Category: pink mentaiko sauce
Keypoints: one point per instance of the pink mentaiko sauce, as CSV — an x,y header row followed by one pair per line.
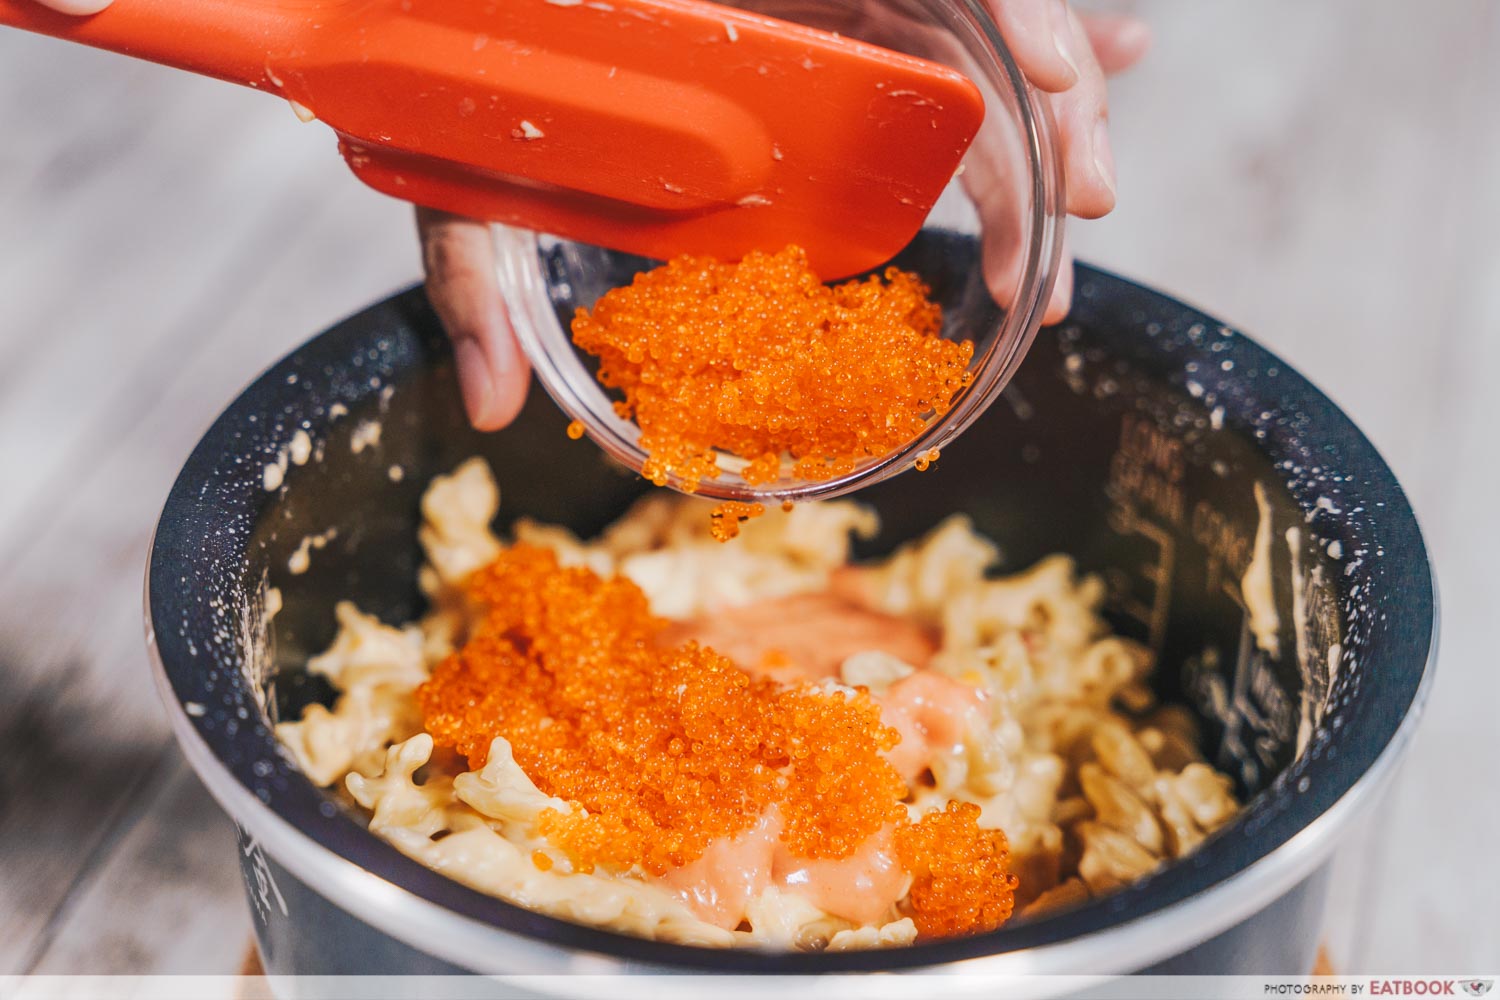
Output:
x,y
809,636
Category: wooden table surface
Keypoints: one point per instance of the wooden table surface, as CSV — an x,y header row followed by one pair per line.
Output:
x,y
1325,175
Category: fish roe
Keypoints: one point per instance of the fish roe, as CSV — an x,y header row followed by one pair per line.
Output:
x,y
725,519
575,430
660,751
763,361
924,461
961,879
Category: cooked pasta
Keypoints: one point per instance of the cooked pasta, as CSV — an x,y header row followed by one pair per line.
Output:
x,y
1058,742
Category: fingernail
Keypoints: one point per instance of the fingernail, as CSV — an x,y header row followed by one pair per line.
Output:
x,y
1062,293
1062,34
474,379
1104,157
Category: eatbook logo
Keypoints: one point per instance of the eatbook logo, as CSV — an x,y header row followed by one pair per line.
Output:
x,y
1477,987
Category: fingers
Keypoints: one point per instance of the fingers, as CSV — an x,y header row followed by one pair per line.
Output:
x,y
459,257
1068,56
1082,116
79,7
1117,40
1062,289
1115,43
1044,40
1095,45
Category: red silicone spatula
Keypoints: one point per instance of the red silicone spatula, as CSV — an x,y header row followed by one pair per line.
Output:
x,y
657,127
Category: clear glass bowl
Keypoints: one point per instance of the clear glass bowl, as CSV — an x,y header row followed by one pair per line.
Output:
x,y
989,249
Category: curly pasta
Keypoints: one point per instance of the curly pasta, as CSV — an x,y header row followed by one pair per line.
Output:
x,y
1059,743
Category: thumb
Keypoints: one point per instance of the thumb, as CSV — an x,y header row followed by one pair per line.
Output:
x,y
493,374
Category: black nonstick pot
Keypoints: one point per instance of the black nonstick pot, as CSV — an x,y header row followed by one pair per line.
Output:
x,y
1133,437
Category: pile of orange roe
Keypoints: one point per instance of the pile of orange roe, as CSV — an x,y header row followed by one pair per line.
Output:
x,y
660,751
761,360
943,900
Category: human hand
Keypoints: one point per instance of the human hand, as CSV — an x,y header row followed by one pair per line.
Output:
x,y
458,256
1067,55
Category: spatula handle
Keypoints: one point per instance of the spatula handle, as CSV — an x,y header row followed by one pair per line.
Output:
x,y
226,39
654,126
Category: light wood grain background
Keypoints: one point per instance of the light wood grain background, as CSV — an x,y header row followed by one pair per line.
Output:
x,y
1324,174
